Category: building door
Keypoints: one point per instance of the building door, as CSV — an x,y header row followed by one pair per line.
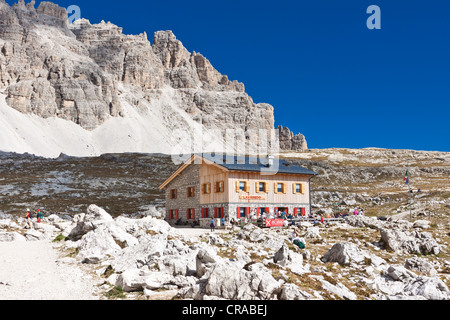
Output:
x,y
243,212
218,212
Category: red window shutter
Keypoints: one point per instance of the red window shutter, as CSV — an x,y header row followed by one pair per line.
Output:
x,y
295,212
238,212
187,214
176,214
258,211
267,210
215,213
203,212
248,212
276,212
303,211
221,212
193,214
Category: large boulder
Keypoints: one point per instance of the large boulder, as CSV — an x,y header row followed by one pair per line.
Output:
x,y
363,222
420,265
264,237
105,241
96,246
344,253
404,241
399,283
431,288
291,292
11,237
289,259
205,259
137,280
146,253
229,280
94,217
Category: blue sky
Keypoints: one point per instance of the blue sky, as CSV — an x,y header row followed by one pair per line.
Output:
x,y
328,76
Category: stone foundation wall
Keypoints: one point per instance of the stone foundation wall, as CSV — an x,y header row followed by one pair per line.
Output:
x,y
188,178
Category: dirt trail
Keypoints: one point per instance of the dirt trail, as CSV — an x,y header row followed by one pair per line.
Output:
x,y
32,271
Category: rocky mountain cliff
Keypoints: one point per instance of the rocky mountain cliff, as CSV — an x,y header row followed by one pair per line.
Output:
x,y
105,82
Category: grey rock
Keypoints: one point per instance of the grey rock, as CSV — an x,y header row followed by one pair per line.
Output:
x,y
291,142
227,279
78,72
344,253
205,259
415,242
429,288
420,265
94,217
11,237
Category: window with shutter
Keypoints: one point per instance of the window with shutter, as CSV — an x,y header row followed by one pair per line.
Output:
x,y
280,187
220,187
206,188
242,186
191,192
262,187
298,188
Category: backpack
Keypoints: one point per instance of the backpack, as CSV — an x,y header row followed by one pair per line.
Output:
x,y
300,244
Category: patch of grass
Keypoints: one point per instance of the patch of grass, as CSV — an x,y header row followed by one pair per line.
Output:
x,y
227,253
71,253
60,238
115,293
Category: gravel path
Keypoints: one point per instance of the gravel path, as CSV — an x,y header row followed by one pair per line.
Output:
x,y
33,271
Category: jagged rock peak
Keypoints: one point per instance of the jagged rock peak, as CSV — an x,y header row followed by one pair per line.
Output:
x,y
92,73
189,70
291,142
52,10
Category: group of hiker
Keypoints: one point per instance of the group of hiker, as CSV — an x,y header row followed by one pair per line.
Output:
x,y
31,214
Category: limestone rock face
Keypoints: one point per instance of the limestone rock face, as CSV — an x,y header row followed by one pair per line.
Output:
x,y
291,142
89,73
44,70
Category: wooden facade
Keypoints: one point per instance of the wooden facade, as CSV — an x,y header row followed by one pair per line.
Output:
x,y
223,193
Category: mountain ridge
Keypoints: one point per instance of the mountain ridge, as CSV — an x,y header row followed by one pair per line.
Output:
x,y
93,74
